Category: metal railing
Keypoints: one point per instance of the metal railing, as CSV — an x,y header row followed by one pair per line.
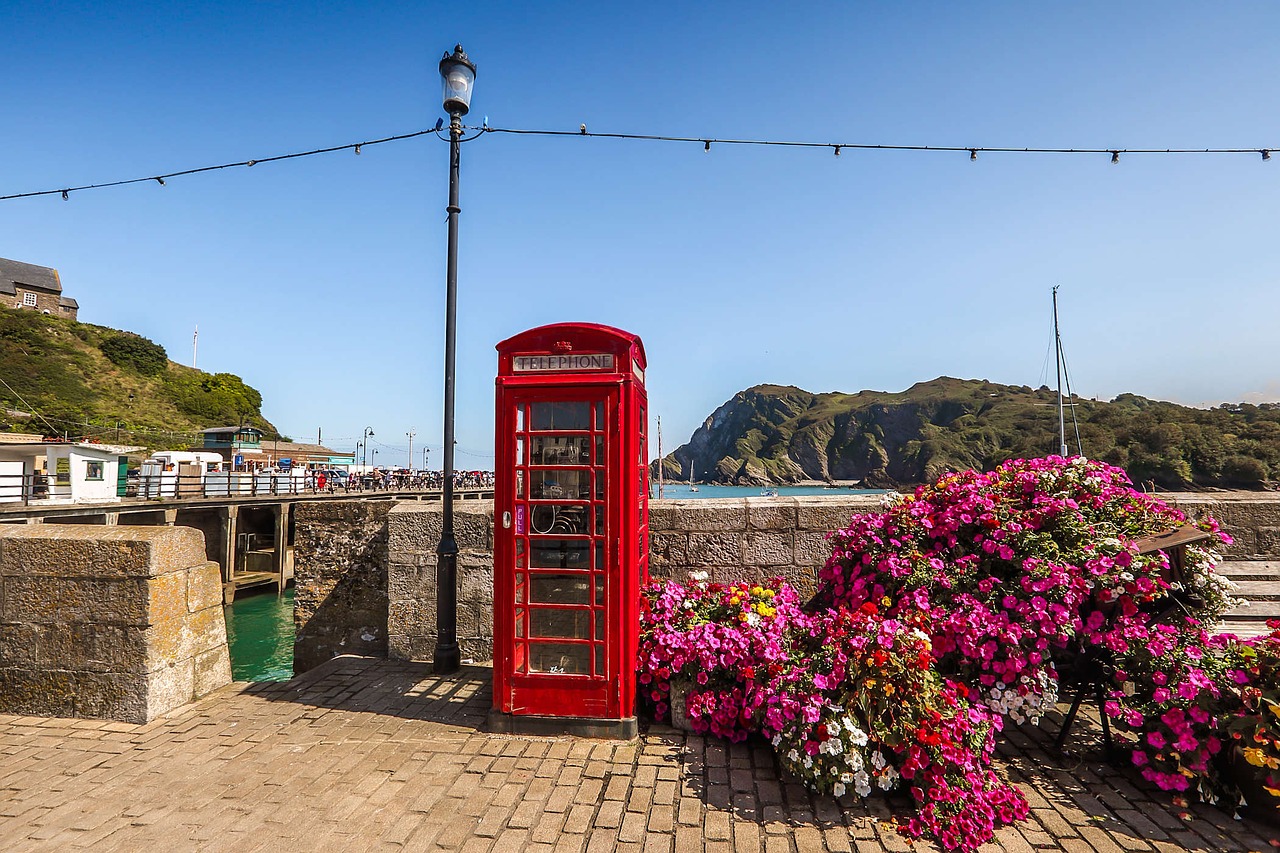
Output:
x,y
25,489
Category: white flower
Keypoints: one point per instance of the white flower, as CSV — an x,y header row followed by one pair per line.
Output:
x,y
698,577
837,789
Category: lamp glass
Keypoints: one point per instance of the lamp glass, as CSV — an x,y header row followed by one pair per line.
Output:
x,y
459,80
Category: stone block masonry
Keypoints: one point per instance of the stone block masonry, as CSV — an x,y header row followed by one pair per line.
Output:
x,y
366,573
340,580
118,623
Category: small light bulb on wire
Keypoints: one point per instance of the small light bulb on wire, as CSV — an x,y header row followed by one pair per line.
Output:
x,y
1115,156
1266,155
973,154
358,148
65,196
706,145
837,150
160,181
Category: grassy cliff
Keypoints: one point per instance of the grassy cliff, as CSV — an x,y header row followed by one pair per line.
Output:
x,y
59,377
779,434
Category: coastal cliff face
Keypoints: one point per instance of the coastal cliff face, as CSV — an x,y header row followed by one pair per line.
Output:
x,y
773,434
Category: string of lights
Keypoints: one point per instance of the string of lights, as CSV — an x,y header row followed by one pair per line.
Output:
x,y
705,141
160,179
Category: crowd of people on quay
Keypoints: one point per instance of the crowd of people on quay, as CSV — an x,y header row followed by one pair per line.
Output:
x,y
397,479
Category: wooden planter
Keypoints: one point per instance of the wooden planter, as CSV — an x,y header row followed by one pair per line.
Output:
x,y
1251,781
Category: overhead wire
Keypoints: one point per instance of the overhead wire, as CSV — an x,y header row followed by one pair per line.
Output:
x,y
582,133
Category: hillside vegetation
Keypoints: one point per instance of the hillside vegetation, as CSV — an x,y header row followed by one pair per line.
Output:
x,y
777,434
63,377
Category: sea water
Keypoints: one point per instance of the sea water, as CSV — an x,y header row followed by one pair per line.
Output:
x,y
260,636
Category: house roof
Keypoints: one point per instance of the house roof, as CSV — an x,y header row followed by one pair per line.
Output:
x,y
30,275
231,429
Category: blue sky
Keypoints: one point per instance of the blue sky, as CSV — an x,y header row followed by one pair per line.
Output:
x,y
321,280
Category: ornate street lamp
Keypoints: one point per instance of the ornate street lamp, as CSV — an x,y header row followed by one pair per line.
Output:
x,y
458,73
364,461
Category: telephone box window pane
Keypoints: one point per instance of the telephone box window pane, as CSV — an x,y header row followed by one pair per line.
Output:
x,y
520,451
570,624
544,416
599,485
599,531
568,658
599,660
560,450
519,418
600,460
519,621
520,588
521,658
599,415
559,519
559,554
560,589
520,557
519,484
599,556
599,589
599,624
559,484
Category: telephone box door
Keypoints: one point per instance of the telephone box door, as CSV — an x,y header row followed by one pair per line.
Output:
x,y
558,516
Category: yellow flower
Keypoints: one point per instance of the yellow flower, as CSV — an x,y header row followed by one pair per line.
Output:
x,y
1253,755
768,593
886,601
757,591
742,617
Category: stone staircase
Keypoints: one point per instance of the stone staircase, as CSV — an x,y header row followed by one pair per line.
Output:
x,y
1259,583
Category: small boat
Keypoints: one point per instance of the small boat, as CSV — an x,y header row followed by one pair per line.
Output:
x,y
769,492
692,487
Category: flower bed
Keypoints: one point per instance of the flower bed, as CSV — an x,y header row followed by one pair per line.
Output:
x,y
957,607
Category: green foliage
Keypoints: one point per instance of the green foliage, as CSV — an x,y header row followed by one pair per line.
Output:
x,y
136,352
894,439
221,399
60,372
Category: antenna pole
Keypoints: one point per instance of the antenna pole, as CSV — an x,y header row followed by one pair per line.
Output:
x,y
1057,352
195,339
659,457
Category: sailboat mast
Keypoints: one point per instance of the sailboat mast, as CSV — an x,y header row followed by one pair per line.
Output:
x,y
660,457
1057,353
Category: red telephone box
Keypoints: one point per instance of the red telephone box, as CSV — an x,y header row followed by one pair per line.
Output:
x,y
571,515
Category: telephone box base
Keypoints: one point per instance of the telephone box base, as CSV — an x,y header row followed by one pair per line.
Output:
x,y
529,724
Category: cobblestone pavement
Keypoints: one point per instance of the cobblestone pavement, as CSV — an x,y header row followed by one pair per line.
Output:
x,y
370,755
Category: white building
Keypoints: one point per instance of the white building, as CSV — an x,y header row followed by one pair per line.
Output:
x,y
62,472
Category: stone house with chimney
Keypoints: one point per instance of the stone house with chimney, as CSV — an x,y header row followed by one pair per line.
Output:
x,y
35,288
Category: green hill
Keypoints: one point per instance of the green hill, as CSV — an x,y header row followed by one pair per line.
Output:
x,y
60,377
776,434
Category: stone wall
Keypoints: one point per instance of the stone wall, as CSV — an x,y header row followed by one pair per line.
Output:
x,y
120,623
749,538
413,536
1251,518
366,578
340,580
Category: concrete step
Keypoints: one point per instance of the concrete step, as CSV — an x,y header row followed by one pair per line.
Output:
x,y
1258,568
1267,590
1244,629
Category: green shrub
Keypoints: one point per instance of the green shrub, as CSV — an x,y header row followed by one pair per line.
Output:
x,y
135,352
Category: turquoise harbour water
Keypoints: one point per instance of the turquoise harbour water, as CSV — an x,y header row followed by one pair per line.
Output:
x,y
682,491
260,635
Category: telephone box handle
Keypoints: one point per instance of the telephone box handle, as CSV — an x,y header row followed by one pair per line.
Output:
x,y
506,520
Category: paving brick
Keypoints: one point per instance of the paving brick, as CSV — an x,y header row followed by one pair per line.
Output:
x,y
364,754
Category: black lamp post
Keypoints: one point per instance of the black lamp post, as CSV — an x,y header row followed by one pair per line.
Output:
x,y
364,460
459,76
